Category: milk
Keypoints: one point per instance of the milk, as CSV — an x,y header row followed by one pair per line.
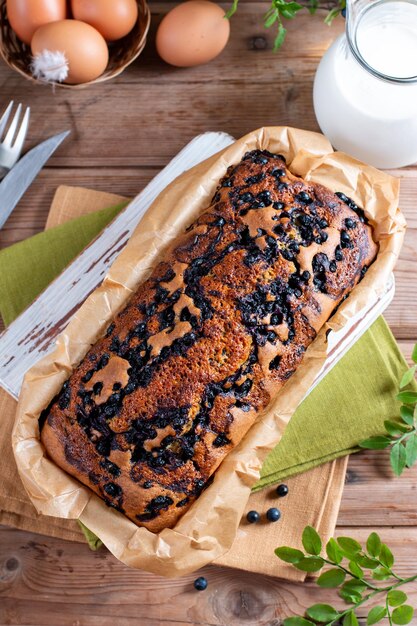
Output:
x,y
371,118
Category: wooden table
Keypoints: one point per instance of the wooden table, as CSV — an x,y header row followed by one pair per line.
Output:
x,y
123,132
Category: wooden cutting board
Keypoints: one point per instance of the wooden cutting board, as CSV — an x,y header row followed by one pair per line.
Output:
x,y
314,497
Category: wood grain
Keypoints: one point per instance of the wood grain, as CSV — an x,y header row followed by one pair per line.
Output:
x,y
123,132
48,582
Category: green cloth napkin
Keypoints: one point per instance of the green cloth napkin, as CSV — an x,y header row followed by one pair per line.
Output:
x,y
349,405
29,266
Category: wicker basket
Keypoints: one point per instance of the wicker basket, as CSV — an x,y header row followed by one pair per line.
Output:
x,y
18,56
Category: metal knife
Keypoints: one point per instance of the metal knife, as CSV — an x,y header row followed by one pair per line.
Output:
x,y
21,176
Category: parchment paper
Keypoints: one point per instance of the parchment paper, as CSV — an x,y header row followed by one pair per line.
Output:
x,y
208,528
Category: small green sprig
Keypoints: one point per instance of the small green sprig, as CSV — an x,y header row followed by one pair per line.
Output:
x,y
401,435
287,10
355,571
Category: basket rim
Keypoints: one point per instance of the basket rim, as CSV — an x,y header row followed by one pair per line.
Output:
x,y
145,17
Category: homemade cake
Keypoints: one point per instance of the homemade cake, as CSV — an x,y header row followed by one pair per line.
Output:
x,y
204,344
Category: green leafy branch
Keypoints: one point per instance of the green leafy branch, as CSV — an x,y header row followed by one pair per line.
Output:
x,y
287,10
355,570
400,435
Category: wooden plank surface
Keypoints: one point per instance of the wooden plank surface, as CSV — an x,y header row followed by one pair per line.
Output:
x,y
50,582
123,133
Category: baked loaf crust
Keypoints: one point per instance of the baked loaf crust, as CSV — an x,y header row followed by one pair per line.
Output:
x,y
204,344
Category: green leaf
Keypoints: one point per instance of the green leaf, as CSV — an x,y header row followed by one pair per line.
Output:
x,y
350,619
366,562
349,545
232,9
386,557
406,413
414,354
290,10
352,590
408,377
403,614
354,585
280,38
355,569
310,564
330,16
333,551
396,597
289,555
381,573
322,612
311,541
296,621
331,578
313,6
411,450
379,442
292,6
398,458
270,18
408,397
373,544
375,615
350,597
395,428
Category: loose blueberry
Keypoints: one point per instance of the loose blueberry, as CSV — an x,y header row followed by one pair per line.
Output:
x,y
306,275
343,12
273,515
333,266
253,517
282,490
200,583
323,223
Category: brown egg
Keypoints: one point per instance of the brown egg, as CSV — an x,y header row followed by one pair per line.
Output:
x,y
25,16
112,18
192,33
84,49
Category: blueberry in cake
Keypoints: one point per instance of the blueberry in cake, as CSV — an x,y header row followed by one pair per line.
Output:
x,y
205,343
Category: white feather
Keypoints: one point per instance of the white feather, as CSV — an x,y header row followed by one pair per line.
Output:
x,y
50,66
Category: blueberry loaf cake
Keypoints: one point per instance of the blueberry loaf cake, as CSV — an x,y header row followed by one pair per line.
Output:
x,y
205,343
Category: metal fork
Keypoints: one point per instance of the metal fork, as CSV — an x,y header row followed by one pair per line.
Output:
x,y
12,144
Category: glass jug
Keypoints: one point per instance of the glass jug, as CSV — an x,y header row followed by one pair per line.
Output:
x,y
365,89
